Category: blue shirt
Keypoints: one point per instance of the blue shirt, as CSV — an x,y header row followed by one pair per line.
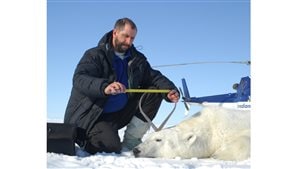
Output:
x,y
117,102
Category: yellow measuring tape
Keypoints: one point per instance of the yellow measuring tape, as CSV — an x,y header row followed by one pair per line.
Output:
x,y
147,91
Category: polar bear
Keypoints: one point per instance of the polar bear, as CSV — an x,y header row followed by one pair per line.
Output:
x,y
215,132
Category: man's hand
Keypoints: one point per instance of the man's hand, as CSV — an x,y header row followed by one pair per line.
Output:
x,y
173,95
115,88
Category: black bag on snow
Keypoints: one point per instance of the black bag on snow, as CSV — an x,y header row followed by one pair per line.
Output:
x,y
61,138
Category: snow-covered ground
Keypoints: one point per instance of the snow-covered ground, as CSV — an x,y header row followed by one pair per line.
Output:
x,y
126,160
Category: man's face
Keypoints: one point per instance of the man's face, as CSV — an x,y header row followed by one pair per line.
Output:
x,y
123,39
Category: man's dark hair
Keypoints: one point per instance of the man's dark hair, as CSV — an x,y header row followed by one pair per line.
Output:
x,y
120,23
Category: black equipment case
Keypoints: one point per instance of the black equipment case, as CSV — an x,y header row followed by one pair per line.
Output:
x,y
61,138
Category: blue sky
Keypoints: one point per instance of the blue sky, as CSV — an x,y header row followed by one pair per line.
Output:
x,y
168,32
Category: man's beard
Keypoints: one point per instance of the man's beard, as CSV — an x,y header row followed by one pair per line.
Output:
x,y
119,46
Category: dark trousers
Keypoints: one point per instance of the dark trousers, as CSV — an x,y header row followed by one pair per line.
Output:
x,y
104,134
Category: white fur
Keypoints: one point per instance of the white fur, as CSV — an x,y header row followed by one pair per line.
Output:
x,y
214,132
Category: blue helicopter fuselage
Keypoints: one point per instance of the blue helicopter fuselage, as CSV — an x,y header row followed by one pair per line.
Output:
x,y
239,99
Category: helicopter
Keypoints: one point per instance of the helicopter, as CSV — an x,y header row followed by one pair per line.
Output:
x,y
238,100
241,99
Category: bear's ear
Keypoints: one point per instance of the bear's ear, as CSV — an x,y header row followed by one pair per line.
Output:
x,y
190,138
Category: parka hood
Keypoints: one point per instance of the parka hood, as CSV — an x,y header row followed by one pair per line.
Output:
x,y
106,40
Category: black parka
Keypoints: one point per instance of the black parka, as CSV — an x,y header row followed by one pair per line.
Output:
x,y
95,71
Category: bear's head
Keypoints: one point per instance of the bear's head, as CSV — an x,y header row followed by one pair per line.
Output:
x,y
169,143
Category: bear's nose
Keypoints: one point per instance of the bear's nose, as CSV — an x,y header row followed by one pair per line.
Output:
x,y
136,151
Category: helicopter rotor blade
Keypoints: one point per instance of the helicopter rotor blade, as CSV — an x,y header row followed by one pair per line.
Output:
x,y
248,62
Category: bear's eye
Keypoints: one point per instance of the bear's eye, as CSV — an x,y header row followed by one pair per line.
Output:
x,y
158,140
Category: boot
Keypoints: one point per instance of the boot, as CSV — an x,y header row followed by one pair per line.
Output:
x,y
134,133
